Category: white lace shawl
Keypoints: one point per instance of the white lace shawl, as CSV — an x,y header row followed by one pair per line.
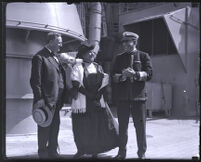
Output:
x,y
77,74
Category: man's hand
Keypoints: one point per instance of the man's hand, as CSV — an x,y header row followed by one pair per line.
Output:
x,y
39,103
128,72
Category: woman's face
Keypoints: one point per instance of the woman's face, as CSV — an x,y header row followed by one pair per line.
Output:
x,y
89,57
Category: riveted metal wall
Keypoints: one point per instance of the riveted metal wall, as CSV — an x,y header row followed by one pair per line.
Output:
x,y
19,52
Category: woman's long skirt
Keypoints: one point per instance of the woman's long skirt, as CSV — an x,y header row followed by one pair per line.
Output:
x,y
94,132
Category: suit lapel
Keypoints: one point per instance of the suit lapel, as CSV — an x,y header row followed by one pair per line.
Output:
x,y
60,62
52,60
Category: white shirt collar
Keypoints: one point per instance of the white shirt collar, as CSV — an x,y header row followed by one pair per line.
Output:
x,y
134,49
91,68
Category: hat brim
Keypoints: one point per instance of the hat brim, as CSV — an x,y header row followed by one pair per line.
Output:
x,y
49,115
128,39
39,115
84,48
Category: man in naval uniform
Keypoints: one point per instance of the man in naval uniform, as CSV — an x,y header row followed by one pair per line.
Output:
x,y
130,71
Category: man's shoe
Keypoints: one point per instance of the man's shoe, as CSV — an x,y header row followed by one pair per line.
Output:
x,y
54,155
94,156
42,154
141,156
78,155
120,157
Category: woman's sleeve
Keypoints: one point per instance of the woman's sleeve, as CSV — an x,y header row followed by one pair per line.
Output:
x,y
74,89
82,90
100,69
103,91
75,75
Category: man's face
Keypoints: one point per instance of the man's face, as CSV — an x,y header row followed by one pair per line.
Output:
x,y
128,45
57,44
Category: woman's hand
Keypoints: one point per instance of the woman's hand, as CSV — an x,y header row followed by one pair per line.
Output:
x,y
74,93
69,59
75,89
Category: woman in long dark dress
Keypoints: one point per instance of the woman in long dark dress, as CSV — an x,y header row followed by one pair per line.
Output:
x,y
93,125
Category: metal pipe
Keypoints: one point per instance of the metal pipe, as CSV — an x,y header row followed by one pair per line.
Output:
x,y
95,24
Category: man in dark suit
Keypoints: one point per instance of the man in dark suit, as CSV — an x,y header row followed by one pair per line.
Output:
x,y
130,71
48,85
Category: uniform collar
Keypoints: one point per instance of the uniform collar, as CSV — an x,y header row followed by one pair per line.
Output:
x,y
132,52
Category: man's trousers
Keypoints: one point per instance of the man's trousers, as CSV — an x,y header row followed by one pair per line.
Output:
x,y
48,137
137,109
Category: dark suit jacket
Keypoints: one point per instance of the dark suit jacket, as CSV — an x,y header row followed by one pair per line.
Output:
x,y
128,90
45,78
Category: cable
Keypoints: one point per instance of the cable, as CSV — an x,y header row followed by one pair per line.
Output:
x,y
175,19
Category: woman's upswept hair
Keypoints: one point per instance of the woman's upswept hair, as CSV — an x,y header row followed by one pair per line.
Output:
x,y
83,48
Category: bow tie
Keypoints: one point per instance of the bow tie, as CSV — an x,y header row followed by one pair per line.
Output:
x,y
55,56
52,53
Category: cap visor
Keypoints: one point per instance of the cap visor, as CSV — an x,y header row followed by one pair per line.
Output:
x,y
127,39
